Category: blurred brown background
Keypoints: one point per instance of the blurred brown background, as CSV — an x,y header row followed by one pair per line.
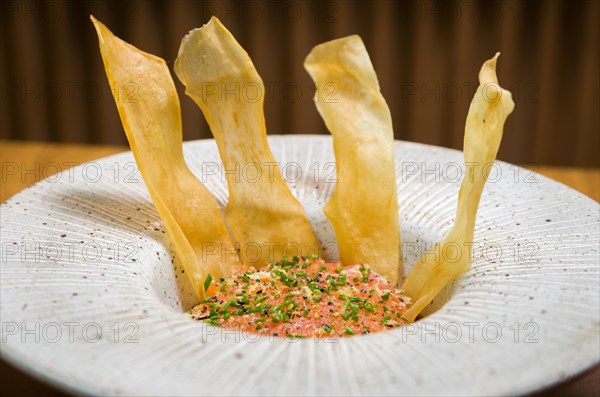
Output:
x,y
426,53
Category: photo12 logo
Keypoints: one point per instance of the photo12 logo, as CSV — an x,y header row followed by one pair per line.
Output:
x,y
254,172
68,332
53,172
69,252
454,172
469,332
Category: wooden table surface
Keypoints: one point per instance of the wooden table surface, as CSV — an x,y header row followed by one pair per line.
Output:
x,y
25,163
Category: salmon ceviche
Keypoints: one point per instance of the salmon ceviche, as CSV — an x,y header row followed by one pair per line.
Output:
x,y
304,297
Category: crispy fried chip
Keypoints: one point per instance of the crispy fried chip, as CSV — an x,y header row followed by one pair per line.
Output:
x,y
364,206
151,117
483,133
266,220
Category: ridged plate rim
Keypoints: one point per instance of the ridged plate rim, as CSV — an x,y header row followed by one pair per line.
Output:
x,y
285,146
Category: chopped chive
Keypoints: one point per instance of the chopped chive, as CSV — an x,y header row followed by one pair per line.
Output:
x,y
207,281
229,303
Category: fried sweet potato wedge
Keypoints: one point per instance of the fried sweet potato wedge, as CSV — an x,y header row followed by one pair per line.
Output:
x,y
266,219
151,117
364,206
483,132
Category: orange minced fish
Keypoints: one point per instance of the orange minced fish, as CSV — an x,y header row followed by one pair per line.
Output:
x,y
304,297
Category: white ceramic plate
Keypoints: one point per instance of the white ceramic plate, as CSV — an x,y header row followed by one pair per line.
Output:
x,y
92,298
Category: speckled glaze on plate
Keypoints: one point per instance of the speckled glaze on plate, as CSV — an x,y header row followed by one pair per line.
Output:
x,y
92,296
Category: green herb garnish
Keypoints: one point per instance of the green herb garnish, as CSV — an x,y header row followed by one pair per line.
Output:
x,y
207,281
